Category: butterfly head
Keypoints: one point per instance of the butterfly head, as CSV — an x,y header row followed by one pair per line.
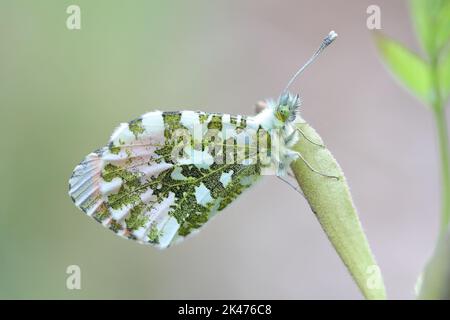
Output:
x,y
287,107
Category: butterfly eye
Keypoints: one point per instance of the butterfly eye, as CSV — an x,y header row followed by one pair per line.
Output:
x,y
283,112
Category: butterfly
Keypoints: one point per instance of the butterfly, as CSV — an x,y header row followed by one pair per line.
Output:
x,y
166,174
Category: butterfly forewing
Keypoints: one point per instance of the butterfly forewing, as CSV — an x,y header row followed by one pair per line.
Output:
x,y
159,180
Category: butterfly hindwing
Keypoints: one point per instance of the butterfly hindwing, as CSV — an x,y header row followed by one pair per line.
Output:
x,y
152,185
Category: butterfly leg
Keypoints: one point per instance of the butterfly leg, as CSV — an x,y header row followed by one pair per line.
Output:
x,y
292,184
309,140
314,170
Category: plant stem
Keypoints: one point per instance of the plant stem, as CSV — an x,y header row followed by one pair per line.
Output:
x,y
441,125
442,132
332,204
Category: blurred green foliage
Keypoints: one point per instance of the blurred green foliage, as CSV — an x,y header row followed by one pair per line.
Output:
x,y
428,79
60,93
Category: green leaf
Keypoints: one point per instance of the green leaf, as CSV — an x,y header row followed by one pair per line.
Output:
x,y
421,11
434,283
443,23
444,76
331,202
432,22
410,69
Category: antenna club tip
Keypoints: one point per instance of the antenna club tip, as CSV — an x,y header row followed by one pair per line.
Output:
x,y
325,43
332,35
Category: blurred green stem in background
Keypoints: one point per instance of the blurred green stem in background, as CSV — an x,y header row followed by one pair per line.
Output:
x,y
442,131
429,80
435,280
442,134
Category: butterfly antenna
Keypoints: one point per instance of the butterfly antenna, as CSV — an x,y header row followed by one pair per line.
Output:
x,y
325,43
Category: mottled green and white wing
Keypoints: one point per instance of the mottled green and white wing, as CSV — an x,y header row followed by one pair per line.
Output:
x,y
138,189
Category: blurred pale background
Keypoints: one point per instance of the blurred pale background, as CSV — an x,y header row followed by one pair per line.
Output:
x,y
62,93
